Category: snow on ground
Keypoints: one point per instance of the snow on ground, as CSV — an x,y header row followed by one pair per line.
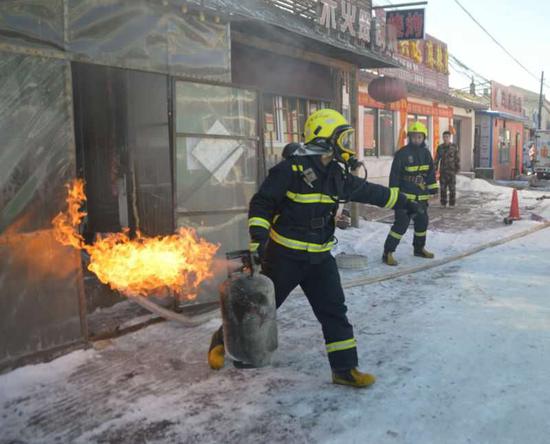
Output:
x,y
451,231
461,354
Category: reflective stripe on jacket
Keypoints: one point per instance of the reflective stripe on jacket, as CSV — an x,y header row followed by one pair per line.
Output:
x,y
296,205
412,172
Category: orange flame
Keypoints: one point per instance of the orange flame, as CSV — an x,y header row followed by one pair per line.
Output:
x,y
65,224
141,266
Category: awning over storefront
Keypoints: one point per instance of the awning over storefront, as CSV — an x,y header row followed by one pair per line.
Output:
x,y
503,115
443,97
259,18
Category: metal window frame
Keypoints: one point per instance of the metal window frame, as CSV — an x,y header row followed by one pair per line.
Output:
x,y
378,142
174,134
376,131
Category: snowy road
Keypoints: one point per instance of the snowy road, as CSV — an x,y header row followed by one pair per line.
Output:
x,y
462,355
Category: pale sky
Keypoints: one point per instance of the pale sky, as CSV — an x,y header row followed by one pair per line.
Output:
x,y
522,27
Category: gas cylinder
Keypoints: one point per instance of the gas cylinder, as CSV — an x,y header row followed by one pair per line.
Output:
x,y
248,313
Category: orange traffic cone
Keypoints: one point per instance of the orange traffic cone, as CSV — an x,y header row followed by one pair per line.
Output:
x,y
514,209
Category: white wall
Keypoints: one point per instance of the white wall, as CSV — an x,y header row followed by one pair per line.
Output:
x,y
378,169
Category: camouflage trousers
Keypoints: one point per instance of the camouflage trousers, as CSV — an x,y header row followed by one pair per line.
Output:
x,y
447,181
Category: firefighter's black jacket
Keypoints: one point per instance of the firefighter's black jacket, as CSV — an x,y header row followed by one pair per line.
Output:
x,y
296,205
412,172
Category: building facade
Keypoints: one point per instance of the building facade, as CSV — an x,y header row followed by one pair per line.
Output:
x,y
170,111
500,135
531,102
382,128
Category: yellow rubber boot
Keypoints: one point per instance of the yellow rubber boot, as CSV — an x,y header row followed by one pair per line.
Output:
x,y
216,352
424,253
353,377
388,259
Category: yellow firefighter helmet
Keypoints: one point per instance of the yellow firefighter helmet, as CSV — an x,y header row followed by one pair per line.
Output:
x,y
417,127
331,126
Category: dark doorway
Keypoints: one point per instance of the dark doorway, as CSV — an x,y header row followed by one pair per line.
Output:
x,y
123,153
517,165
477,146
457,124
123,148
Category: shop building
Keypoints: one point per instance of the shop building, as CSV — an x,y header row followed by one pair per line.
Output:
x,y
382,126
171,111
499,135
531,102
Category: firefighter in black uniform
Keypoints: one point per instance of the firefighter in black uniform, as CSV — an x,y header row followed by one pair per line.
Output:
x,y
412,173
291,223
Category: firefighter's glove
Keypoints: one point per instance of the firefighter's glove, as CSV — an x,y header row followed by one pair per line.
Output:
x,y
413,208
256,258
257,250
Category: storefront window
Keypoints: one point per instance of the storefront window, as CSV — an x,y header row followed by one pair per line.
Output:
x,y
215,110
386,133
216,159
411,118
378,132
284,119
370,131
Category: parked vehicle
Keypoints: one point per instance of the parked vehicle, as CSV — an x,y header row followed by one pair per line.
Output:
x,y
542,157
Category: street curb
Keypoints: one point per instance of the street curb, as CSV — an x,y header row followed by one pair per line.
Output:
x,y
437,263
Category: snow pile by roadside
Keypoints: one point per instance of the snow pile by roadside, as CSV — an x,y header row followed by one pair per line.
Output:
x,y
368,239
41,374
465,184
501,194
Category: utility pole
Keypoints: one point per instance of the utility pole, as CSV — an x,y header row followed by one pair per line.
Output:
x,y
540,100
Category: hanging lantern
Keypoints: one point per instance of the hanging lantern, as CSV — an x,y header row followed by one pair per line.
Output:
x,y
387,89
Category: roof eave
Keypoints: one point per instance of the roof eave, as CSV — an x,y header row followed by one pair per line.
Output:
x,y
276,19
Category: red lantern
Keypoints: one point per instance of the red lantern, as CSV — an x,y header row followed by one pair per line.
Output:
x,y
387,89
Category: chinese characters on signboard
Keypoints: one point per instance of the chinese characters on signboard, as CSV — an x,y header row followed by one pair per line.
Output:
x,y
505,99
425,62
430,52
409,24
346,17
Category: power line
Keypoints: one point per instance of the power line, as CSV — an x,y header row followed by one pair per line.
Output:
x,y
453,59
458,69
497,42
461,69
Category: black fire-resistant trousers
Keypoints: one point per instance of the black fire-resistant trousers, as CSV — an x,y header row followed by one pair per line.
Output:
x,y
400,225
323,289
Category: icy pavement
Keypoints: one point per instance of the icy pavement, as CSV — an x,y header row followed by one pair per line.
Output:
x,y
461,354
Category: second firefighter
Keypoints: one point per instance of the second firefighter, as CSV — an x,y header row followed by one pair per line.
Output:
x,y
412,173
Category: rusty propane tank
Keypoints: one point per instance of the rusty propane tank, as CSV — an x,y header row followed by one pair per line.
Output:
x,y
248,312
